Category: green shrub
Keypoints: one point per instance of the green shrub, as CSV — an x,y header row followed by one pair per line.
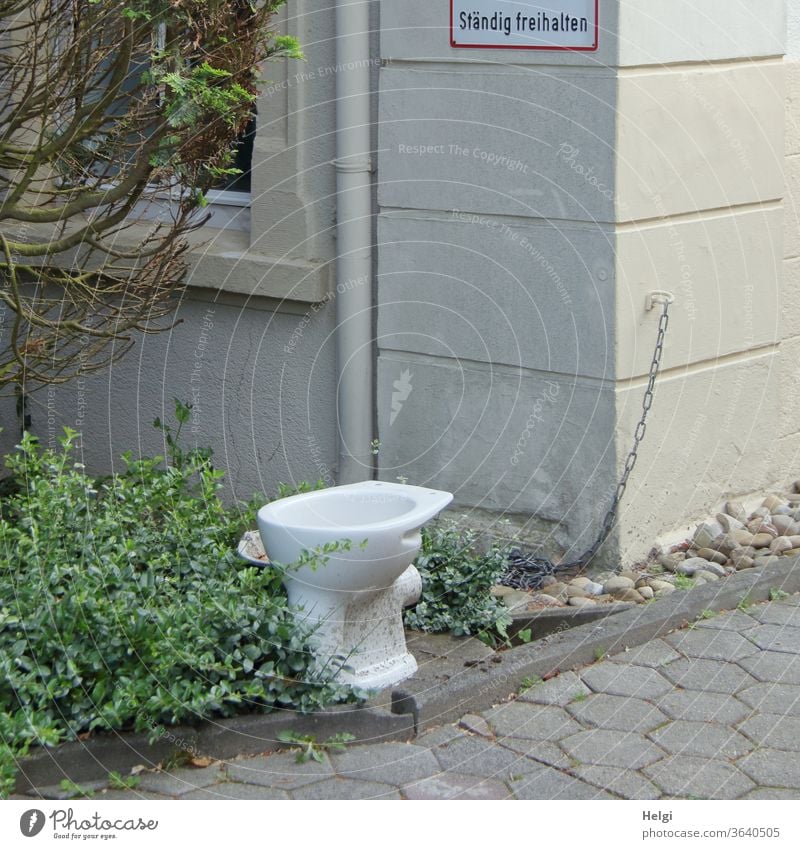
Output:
x,y
123,605
456,579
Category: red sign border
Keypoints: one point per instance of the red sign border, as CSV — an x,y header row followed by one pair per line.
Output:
x,y
591,49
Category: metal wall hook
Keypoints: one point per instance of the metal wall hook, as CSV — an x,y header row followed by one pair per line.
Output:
x,y
658,296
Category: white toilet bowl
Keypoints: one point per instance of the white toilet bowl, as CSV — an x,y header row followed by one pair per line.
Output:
x,y
355,598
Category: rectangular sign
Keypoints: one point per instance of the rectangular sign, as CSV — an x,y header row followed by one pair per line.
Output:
x,y
524,24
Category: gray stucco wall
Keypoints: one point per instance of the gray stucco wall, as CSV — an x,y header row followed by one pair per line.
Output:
x,y
264,385
261,382
496,275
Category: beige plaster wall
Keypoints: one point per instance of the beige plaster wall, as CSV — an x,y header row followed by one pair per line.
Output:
x,y
789,351
700,174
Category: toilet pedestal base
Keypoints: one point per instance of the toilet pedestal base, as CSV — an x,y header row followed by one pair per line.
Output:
x,y
365,638
358,635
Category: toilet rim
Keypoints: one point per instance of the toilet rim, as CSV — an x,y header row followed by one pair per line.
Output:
x,y
427,504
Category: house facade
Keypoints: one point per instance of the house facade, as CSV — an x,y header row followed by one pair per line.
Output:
x,y
492,328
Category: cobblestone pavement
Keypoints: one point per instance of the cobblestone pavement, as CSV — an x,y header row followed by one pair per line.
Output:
x,y
711,711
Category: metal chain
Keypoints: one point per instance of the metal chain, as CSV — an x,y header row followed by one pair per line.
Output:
x,y
527,570
638,436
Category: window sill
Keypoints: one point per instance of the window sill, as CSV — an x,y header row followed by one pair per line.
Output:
x,y
222,260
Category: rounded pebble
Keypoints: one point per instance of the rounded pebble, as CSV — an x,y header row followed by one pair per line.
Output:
x,y
703,575
712,556
581,601
728,523
736,509
772,502
617,584
690,566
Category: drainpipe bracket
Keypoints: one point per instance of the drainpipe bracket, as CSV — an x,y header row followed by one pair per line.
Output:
x,y
353,164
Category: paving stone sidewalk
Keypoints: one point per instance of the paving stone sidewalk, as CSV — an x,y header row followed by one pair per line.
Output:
x,y
711,711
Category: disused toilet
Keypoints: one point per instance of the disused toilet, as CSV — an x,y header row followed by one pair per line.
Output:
x,y
355,598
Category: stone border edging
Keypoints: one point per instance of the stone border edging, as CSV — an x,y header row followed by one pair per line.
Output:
x,y
551,620
490,681
250,734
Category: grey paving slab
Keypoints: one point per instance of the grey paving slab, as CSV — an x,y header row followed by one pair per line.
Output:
x,y
455,786
559,691
772,793
626,783
439,736
708,676
654,654
698,778
780,638
476,725
731,620
346,788
279,769
773,731
530,721
773,666
701,739
772,768
704,707
545,753
179,782
612,748
479,757
777,613
782,699
394,763
129,796
619,680
617,713
711,644
57,792
545,783
234,790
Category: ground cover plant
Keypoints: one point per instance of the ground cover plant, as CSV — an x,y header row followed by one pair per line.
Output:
x,y
123,604
457,576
